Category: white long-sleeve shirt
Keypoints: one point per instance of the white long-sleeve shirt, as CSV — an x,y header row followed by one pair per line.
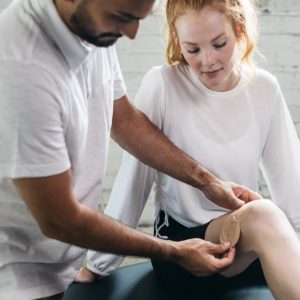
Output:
x,y
231,133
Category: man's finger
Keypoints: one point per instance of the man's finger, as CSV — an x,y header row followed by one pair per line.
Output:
x,y
218,261
245,194
226,260
221,251
236,203
254,196
220,248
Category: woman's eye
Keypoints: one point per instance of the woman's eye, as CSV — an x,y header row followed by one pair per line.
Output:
x,y
220,45
193,51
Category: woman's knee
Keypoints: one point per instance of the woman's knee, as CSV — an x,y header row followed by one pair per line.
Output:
x,y
263,212
254,217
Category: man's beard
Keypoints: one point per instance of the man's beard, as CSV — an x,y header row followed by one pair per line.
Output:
x,y
103,40
81,25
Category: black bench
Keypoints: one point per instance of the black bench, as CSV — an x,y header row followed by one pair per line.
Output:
x,y
138,282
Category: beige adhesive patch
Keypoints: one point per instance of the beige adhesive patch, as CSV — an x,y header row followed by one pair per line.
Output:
x,y
231,229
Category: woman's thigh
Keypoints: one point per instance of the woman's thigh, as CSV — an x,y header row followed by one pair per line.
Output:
x,y
177,278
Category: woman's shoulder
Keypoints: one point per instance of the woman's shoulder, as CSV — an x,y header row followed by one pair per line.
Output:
x,y
264,77
263,86
166,71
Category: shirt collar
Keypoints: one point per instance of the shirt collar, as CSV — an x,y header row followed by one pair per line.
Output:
x,y
73,49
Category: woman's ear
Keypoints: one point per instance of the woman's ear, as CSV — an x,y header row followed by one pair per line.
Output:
x,y
238,31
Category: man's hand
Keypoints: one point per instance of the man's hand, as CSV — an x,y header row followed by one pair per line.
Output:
x,y
199,257
228,194
203,258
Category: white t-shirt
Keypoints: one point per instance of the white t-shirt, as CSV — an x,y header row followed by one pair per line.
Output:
x,y
56,103
231,133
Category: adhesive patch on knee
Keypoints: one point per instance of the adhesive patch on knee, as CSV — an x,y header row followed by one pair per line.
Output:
x,y
231,229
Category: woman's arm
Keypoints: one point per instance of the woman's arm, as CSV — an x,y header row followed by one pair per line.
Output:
x,y
133,130
281,161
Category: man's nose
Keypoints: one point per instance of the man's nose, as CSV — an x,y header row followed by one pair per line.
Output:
x,y
131,29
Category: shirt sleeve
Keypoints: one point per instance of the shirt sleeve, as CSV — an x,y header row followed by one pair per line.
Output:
x,y
119,85
281,161
31,122
135,179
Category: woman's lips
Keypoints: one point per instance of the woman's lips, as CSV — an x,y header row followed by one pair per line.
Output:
x,y
212,74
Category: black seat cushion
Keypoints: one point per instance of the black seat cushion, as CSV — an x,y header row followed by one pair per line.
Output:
x,y
138,282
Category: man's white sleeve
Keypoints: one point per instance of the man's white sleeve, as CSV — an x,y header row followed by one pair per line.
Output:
x,y
31,122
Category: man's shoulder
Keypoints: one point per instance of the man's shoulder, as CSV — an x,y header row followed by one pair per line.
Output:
x,y
23,41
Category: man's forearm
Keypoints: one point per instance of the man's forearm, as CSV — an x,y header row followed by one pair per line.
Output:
x,y
96,231
133,131
60,216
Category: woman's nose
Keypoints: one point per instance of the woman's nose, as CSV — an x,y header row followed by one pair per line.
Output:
x,y
208,59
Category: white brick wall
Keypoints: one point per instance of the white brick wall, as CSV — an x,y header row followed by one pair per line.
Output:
x,y
279,42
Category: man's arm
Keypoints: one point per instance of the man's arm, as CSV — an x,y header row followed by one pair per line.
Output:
x,y
60,216
136,134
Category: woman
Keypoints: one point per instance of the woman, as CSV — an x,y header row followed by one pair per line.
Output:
x,y
213,103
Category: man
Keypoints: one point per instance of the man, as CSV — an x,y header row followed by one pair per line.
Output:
x,y
59,76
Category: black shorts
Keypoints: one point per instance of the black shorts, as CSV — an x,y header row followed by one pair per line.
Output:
x,y
176,277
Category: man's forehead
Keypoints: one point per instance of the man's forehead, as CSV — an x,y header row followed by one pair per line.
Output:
x,y
139,9
137,3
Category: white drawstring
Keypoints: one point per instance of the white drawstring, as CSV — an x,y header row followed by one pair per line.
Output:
x,y
165,223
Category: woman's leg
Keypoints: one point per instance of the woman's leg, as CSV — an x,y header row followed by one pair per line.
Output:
x,y
265,232
178,278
